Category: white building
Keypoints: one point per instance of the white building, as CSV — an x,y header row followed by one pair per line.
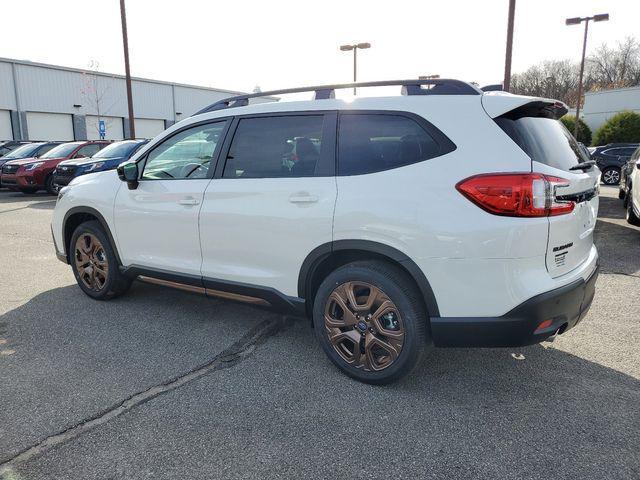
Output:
x,y
49,102
601,106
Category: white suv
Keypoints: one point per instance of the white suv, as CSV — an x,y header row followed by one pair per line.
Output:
x,y
445,216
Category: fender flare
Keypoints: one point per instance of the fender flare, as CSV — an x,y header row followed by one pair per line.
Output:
x,y
95,213
317,255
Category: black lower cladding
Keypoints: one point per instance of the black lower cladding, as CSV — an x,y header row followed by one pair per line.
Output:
x,y
564,306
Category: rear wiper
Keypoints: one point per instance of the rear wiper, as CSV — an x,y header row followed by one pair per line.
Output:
x,y
584,165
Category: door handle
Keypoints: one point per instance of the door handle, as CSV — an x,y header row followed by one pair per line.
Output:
x,y
189,201
303,197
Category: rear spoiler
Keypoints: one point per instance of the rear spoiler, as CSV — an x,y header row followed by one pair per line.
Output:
x,y
499,104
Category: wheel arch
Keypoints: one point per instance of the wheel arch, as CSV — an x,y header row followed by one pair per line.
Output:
x,y
78,215
329,256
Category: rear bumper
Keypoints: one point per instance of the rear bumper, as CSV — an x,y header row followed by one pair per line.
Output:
x,y
564,306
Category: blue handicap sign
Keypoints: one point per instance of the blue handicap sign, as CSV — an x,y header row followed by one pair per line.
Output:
x,y
102,128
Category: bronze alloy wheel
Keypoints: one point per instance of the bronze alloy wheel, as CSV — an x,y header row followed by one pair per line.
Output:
x,y
91,262
364,326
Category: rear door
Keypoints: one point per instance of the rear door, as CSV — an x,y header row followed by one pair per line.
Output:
x,y
272,201
554,152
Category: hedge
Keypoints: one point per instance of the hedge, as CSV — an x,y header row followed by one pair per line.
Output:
x,y
622,127
584,132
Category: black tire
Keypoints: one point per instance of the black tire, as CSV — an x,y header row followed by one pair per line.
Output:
x,y
621,194
394,284
29,190
50,187
114,283
611,176
632,218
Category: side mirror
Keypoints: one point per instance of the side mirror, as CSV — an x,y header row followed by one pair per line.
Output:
x,y
128,172
638,164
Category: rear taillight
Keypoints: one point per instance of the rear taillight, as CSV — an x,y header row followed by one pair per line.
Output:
x,y
516,194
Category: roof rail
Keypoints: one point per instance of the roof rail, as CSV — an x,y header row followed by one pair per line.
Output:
x,y
439,86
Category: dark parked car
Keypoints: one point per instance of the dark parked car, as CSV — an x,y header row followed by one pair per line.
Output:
x,y
31,150
106,159
610,158
625,176
10,145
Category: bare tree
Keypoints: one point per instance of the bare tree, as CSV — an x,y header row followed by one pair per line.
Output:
x,y
614,67
606,68
95,95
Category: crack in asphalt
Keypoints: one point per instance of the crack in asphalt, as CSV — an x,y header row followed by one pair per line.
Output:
x,y
620,273
228,358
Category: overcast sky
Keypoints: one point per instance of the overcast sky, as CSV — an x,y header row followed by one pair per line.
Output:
x,y
277,44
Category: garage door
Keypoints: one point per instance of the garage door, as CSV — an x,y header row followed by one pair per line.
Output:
x,y
113,126
148,128
49,126
6,133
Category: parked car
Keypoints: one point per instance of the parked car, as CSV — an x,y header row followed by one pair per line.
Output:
x,y
632,199
32,174
106,159
625,172
28,151
610,158
9,145
409,229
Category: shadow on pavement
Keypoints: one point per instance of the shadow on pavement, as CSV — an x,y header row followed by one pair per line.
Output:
x,y
618,242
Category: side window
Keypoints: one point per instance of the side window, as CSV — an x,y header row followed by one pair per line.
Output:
x,y
370,143
185,155
88,150
45,148
271,147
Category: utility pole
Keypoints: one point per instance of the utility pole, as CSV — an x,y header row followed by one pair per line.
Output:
x,y
125,42
603,17
506,83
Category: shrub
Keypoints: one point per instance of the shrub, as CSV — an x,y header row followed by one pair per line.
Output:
x,y
584,132
622,127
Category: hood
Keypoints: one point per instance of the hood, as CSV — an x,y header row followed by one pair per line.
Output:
x,y
23,161
89,161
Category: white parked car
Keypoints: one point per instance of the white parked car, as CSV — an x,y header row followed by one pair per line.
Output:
x,y
444,217
632,199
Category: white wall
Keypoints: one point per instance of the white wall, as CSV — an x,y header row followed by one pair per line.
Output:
x,y
6,132
601,106
49,126
148,128
113,126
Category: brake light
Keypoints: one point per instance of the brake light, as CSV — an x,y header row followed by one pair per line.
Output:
x,y
516,194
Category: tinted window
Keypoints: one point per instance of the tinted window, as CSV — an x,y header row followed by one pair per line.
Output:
x,y
119,149
24,151
272,147
545,140
60,151
89,150
370,143
622,152
187,154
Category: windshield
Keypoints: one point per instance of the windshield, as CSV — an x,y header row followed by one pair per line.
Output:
x,y
545,140
24,151
60,151
120,149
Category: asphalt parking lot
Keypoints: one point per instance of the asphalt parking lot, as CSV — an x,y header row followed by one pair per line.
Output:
x,y
167,384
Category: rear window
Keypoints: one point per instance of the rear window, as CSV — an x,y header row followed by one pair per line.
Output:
x,y
545,140
370,143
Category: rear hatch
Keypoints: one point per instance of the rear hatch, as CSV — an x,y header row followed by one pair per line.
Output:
x,y
554,152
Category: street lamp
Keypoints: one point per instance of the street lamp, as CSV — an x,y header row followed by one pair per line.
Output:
x,y
576,21
354,47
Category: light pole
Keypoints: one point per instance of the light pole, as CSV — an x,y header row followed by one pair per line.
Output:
x,y
354,47
125,42
576,21
506,83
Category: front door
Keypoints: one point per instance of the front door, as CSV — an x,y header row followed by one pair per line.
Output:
x,y
157,223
